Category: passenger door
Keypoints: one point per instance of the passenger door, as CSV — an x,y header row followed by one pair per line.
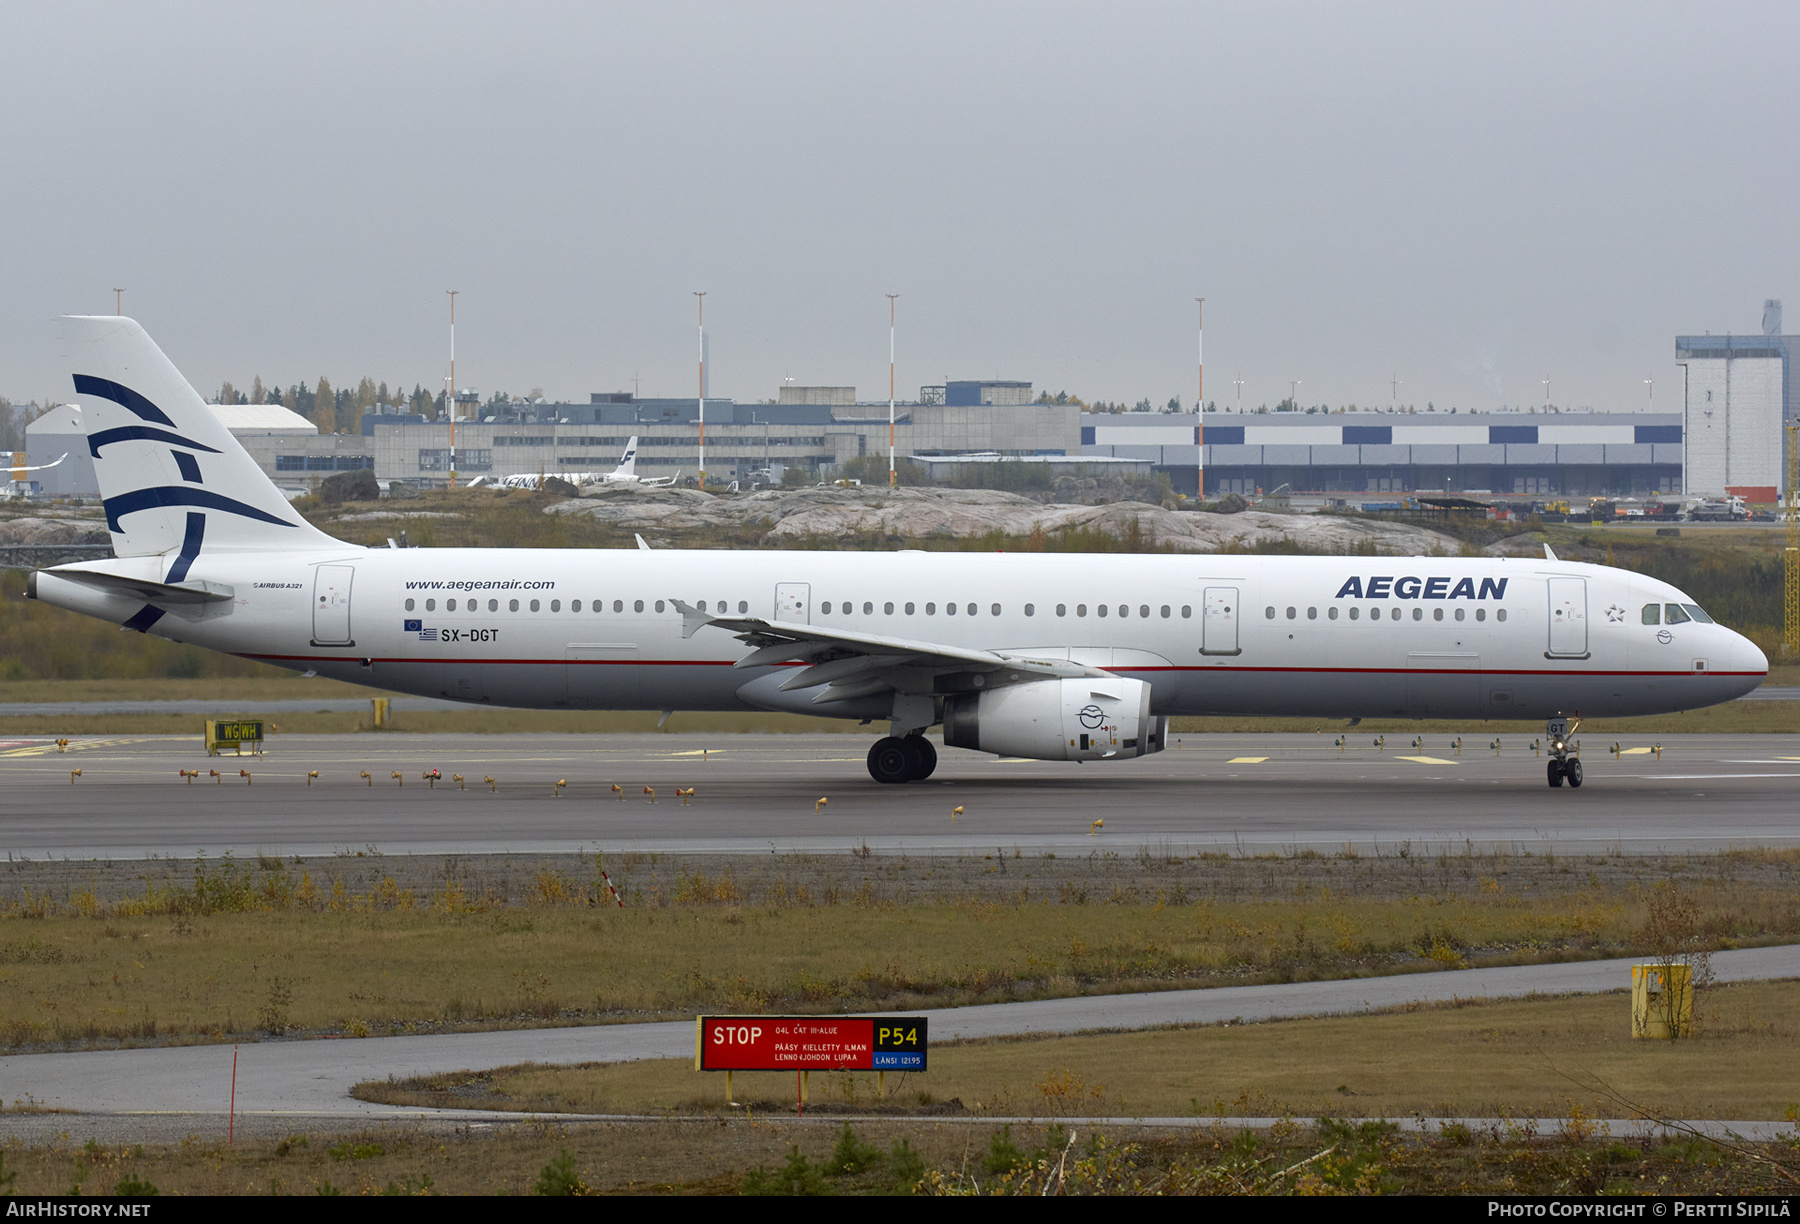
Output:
x,y
1568,619
331,605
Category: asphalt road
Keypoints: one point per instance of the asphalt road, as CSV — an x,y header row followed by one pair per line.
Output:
x,y
755,793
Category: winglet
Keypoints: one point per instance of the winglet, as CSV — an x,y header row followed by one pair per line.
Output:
x,y
641,545
1549,555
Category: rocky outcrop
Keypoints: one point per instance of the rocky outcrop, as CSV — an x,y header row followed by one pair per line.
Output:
x,y
52,531
910,513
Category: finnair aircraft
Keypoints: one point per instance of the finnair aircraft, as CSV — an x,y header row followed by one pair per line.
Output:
x,y
1053,656
625,473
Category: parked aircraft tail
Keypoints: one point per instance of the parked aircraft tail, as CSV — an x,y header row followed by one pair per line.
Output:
x,y
627,468
171,476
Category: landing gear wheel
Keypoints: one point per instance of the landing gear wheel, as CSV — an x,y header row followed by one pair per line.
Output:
x,y
1553,768
927,757
893,759
1572,769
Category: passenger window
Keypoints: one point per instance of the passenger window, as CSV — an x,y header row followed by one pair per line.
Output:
x,y
574,605
1165,611
619,605
1080,609
1480,614
1437,614
1312,614
1652,614
887,609
431,605
825,608
909,609
971,609
1499,614
1418,613
512,605
1100,610
659,605
556,606
1187,612
1331,613
949,609
1354,612
1269,612
743,605
1062,609
930,609
1030,610
493,605
1394,614
450,605
1292,613
868,608
1674,615
996,609
534,605
409,605
1144,610
701,605
1124,611
637,605
1460,612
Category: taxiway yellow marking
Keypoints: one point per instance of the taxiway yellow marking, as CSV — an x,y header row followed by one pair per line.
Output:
x,y
1647,751
1246,760
1423,760
75,745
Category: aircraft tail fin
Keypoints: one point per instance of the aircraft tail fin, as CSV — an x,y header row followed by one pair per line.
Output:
x,y
628,465
171,476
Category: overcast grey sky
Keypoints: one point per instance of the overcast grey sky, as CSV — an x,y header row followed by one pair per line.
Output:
x,y
1476,197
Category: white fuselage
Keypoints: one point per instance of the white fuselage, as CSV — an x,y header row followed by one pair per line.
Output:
x,y
1419,637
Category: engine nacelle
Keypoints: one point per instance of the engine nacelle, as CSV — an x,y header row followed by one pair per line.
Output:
x,y
1090,719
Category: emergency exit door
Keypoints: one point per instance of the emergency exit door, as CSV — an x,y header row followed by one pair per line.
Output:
x,y
1219,624
793,602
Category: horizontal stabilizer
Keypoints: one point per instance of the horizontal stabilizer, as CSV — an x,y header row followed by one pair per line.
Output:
x,y
194,591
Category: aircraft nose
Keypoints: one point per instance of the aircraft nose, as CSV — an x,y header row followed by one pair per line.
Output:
x,y
1747,656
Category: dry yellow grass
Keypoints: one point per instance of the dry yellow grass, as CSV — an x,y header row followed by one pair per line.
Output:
x,y
1526,1058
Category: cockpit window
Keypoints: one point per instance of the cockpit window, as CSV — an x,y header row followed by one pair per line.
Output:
x,y
1694,611
1675,615
1653,614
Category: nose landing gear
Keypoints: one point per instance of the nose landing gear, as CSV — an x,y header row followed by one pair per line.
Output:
x,y
1565,759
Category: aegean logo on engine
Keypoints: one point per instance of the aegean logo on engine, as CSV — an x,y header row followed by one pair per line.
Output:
x,y
1421,588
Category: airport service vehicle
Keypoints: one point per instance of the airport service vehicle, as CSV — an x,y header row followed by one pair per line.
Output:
x,y
1056,657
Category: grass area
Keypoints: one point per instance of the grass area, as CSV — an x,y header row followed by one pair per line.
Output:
x,y
344,947
1539,1057
869,1157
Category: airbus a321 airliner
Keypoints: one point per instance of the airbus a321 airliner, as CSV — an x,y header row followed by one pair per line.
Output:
x,y
1055,657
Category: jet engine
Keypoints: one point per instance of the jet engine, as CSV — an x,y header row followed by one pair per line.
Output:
x,y
1085,719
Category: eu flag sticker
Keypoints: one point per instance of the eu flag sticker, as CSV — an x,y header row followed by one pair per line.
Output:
x,y
413,626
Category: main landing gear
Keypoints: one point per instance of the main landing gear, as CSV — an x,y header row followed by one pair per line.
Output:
x,y
894,759
1563,762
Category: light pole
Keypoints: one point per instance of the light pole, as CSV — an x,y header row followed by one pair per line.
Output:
x,y
700,298
1294,393
118,301
1651,383
1239,384
1200,396
892,479
1394,393
450,400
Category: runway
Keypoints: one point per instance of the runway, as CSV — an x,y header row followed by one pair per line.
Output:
x,y
762,793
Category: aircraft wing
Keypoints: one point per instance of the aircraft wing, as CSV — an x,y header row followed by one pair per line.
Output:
x,y
852,664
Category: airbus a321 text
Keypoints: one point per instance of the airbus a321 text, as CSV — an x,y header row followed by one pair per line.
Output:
x,y
1051,656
